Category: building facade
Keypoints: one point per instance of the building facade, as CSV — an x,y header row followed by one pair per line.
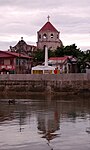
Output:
x,y
66,64
12,62
23,47
48,36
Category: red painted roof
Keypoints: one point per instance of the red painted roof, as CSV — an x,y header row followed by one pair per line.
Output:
x,y
13,54
48,26
59,58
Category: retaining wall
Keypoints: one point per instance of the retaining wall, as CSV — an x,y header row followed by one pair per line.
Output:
x,y
44,83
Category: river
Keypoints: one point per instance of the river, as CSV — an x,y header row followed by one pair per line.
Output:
x,y
45,123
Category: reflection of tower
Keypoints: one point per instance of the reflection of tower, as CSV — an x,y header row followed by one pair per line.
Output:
x,y
48,124
22,116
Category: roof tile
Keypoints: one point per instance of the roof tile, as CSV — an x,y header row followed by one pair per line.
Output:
x,y
48,26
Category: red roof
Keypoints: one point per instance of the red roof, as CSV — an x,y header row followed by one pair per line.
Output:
x,y
59,58
14,54
48,26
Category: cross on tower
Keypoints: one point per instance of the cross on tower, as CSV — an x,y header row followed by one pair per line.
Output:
x,y
48,18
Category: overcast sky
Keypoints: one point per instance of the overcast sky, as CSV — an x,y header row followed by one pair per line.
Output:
x,y
23,18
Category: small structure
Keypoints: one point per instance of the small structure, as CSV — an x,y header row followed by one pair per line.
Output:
x,y
66,64
12,62
44,69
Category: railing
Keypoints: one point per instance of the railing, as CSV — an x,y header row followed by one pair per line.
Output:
x,y
7,67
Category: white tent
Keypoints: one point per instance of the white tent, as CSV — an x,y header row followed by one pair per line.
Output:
x,y
43,70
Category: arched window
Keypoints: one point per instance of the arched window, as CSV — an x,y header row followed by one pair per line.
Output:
x,y
44,36
51,35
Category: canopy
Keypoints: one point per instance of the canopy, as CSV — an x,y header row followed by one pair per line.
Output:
x,y
43,68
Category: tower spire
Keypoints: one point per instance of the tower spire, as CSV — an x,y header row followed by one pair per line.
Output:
x,y
48,18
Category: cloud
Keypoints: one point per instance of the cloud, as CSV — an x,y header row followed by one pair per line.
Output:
x,y
26,17
47,4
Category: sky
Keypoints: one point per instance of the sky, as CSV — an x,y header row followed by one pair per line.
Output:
x,y
23,18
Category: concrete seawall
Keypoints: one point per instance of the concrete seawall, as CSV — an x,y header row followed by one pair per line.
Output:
x,y
47,83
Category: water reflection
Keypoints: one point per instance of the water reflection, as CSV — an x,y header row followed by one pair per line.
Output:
x,y
48,122
56,120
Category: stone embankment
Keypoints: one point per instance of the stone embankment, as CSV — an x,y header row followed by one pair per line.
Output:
x,y
47,83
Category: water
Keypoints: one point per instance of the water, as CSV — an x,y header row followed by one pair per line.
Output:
x,y
59,123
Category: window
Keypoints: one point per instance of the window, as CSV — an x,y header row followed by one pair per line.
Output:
x,y
51,35
44,36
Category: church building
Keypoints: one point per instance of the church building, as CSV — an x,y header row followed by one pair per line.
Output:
x,y
48,36
23,47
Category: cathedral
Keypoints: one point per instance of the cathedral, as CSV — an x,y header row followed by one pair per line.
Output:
x,y
48,36
23,47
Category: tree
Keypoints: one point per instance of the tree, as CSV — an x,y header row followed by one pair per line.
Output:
x,y
59,52
39,56
51,53
69,50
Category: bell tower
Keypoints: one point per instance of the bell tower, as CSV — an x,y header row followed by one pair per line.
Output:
x,y
48,35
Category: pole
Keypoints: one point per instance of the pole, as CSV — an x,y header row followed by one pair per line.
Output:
x,y
46,56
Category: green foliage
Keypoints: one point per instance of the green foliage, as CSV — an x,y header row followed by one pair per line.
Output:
x,y
69,50
39,56
59,52
51,53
